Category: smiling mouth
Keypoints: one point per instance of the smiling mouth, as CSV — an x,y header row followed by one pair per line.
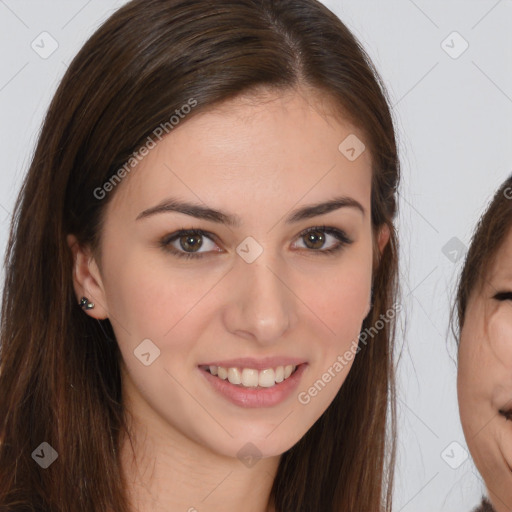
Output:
x,y
251,378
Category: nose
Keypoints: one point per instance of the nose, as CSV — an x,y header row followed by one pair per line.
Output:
x,y
261,306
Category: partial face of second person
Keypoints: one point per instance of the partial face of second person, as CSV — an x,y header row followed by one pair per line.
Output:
x,y
303,298
485,377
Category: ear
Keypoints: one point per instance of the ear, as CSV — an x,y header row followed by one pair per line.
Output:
x,y
379,242
87,280
383,237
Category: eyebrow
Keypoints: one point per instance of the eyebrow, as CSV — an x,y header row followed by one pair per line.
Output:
x,y
218,216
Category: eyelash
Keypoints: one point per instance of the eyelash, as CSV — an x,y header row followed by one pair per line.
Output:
x,y
337,233
503,296
506,414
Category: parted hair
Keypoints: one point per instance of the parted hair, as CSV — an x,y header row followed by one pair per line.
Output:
x,y
59,368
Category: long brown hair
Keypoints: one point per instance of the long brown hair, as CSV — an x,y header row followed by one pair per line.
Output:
x,y
59,368
488,237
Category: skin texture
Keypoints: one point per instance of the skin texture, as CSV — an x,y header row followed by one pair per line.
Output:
x,y
260,158
485,378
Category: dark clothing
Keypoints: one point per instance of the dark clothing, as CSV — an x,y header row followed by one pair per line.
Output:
x,y
485,506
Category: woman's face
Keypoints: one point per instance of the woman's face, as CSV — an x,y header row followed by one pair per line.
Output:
x,y
258,289
485,378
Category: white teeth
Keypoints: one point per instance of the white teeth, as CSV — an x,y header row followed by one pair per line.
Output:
x,y
267,378
234,376
251,378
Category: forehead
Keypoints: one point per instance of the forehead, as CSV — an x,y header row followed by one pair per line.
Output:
x,y
500,269
269,143
495,275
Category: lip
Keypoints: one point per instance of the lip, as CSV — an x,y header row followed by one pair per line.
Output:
x,y
257,364
255,397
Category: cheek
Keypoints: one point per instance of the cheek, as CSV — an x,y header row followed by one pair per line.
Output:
x,y
149,299
500,346
339,294
484,376
342,301
500,335
474,372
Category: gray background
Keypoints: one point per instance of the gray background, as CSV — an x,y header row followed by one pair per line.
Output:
x,y
454,121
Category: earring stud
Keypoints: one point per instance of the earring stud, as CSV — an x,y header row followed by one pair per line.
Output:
x,y
85,304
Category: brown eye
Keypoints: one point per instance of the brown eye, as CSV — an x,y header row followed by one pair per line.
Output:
x,y
186,243
316,238
190,242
